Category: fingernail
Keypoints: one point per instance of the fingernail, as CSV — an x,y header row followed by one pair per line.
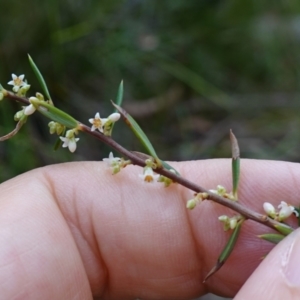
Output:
x,y
291,260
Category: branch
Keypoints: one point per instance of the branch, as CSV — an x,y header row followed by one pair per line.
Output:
x,y
137,160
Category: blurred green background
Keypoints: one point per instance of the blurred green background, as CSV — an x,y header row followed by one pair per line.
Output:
x,y
192,70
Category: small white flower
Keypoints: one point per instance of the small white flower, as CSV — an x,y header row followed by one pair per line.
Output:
x,y
149,175
97,122
29,110
269,209
286,210
111,160
221,191
69,142
17,82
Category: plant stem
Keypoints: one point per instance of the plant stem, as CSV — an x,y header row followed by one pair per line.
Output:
x,y
137,160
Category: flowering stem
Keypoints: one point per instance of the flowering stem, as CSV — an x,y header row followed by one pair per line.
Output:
x,y
136,159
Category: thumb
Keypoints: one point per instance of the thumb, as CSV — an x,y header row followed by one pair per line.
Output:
x,y
278,276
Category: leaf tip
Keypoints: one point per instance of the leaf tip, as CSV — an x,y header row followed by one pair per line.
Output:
x,y
217,266
234,145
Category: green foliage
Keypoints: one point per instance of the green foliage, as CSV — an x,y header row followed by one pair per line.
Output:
x,y
40,77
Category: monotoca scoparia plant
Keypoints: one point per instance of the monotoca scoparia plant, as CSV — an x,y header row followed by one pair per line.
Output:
x,y
68,130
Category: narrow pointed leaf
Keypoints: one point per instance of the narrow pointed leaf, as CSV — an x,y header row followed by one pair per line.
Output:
x,y
284,229
120,93
40,78
137,130
235,164
54,113
227,250
119,101
274,238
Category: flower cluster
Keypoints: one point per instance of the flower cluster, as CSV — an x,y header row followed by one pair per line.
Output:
x,y
165,180
56,127
198,198
104,125
116,163
229,223
285,211
221,191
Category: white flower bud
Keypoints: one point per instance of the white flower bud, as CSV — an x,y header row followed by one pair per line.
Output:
x,y
221,190
269,209
29,110
114,117
191,204
223,218
232,223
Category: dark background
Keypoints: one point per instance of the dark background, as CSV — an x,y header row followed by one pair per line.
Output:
x,y
192,70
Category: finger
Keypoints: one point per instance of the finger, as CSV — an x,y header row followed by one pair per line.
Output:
x,y
154,245
38,256
278,276
138,240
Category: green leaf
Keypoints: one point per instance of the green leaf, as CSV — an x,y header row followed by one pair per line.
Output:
x,y
284,229
54,114
119,101
227,250
137,130
40,78
274,238
120,93
235,164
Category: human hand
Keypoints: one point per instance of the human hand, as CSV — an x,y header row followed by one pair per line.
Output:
x,y
74,231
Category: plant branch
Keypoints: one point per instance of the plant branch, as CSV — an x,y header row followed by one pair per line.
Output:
x,y
137,160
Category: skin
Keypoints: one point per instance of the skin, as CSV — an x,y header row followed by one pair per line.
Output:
x,y
74,231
